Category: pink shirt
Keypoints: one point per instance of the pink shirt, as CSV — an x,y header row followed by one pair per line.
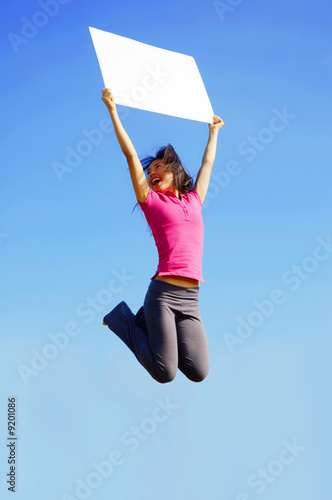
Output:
x,y
177,228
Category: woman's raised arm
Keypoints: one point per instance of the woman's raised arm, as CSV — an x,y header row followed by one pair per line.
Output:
x,y
140,184
204,174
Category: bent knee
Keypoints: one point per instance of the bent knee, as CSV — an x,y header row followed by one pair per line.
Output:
x,y
198,375
165,376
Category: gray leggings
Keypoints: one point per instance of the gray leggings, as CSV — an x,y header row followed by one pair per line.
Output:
x,y
167,333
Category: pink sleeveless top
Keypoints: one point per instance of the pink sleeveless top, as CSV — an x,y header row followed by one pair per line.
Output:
x,y
177,228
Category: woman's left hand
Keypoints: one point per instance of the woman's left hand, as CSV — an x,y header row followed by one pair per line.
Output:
x,y
217,123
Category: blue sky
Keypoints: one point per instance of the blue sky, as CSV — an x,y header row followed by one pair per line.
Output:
x,y
259,425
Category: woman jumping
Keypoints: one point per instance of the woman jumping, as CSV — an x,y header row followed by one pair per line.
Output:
x,y
167,332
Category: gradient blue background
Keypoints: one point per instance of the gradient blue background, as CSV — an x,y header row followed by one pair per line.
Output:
x,y
61,242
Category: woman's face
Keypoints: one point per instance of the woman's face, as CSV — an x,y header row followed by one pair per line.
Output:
x,y
159,178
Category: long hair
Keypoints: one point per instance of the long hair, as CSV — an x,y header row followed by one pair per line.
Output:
x,y
171,161
167,157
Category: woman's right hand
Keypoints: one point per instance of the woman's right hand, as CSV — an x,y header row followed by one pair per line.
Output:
x,y
108,99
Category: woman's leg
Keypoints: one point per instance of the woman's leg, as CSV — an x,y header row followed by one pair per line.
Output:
x,y
192,341
172,311
153,340
161,332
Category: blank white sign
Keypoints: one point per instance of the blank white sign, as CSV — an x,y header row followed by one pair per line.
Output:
x,y
146,77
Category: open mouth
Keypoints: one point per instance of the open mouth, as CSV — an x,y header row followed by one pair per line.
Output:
x,y
155,181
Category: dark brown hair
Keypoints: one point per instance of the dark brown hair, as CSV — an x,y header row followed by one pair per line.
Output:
x,y
169,158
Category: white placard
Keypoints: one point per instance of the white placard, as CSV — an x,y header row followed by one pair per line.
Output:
x,y
149,78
